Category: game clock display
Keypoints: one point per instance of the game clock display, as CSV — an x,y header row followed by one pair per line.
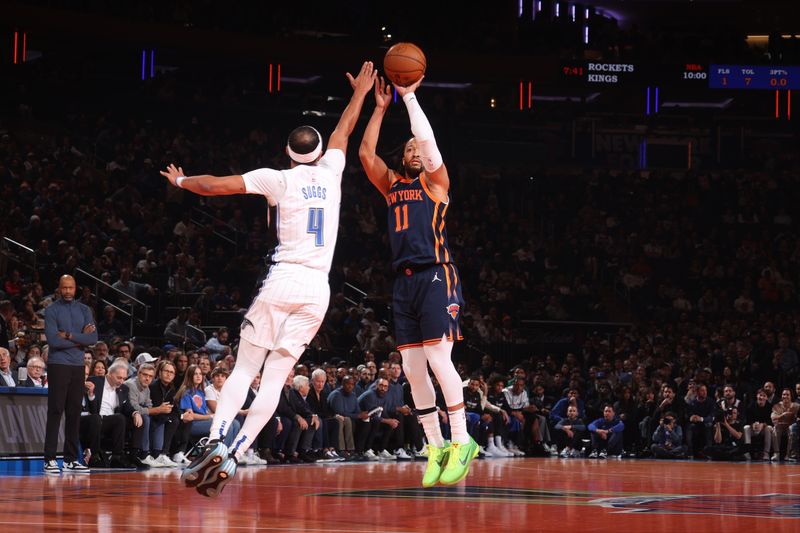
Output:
x,y
756,77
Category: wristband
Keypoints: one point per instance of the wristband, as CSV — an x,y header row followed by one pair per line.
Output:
x,y
179,180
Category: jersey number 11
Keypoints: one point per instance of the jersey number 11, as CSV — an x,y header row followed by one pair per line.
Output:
x,y
401,218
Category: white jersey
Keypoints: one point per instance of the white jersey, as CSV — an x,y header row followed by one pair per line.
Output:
x,y
308,199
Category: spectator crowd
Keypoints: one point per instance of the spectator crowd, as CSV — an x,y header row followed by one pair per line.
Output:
x,y
701,266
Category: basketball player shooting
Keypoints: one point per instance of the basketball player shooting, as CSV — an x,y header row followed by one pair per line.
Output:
x,y
427,293
292,301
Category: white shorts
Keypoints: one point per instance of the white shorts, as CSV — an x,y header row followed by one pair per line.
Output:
x,y
288,310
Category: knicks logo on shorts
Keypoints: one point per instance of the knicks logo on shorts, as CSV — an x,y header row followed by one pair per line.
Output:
x,y
453,310
246,322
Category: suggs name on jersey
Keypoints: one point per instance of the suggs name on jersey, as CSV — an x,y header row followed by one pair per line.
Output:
x,y
314,191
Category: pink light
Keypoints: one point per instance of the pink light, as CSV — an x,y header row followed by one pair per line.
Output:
x,y
530,92
270,77
777,104
15,47
279,77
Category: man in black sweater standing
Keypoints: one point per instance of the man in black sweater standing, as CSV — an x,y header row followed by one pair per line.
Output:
x,y
69,327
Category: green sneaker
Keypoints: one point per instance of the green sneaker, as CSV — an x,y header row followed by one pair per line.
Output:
x,y
437,459
459,458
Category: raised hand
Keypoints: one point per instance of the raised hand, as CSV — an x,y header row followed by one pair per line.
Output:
x,y
402,91
173,173
383,93
365,79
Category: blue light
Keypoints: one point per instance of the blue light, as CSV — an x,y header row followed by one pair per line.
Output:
x,y
144,62
152,63
647,108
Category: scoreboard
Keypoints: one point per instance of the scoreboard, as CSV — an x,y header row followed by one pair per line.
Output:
x,y
753,77
747,77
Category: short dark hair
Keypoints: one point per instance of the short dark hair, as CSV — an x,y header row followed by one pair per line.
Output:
x,y
303,140
219,371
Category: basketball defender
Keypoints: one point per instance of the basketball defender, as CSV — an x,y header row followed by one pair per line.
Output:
x,y
427,292
293,299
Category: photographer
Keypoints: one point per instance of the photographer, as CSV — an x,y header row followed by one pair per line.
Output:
x,y
728,438
668,439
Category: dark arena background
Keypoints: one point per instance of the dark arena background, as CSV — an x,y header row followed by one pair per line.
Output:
x,y
624,185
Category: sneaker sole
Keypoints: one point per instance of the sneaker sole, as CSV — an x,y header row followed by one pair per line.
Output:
x,y
464,473
194,475
217,479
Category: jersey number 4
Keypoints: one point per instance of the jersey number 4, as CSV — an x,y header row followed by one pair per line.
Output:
x,y
316,221
401,218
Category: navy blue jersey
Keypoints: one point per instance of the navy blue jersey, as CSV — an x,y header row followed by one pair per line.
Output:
x,y
417,232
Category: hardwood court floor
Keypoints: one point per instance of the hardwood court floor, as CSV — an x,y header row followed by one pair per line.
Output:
x,y
499,496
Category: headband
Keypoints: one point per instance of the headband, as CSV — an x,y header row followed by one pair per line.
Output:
x,y
309,157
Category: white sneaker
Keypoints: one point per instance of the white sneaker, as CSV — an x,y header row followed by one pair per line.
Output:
x,y
514,450
369,454
575,453
75,467
498,443
485,451
165,461
603,454
553,449
402,454
149,461
593,455
565,453
776,457
494,451
386,456
421,453
51,467
180,458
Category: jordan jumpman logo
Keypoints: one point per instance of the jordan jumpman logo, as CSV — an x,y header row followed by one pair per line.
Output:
x,y
435,277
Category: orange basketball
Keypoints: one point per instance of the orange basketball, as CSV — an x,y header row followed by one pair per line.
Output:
x,y
404,64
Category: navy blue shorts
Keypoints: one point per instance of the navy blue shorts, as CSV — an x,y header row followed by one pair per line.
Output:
x,y
427,305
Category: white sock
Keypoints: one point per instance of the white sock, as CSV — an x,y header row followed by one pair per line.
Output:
x,y
433,430
234,392
276,369
458,426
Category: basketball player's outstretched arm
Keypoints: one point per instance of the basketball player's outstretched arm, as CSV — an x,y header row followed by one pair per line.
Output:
x,y
362,85
375,167
436,172
205,185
